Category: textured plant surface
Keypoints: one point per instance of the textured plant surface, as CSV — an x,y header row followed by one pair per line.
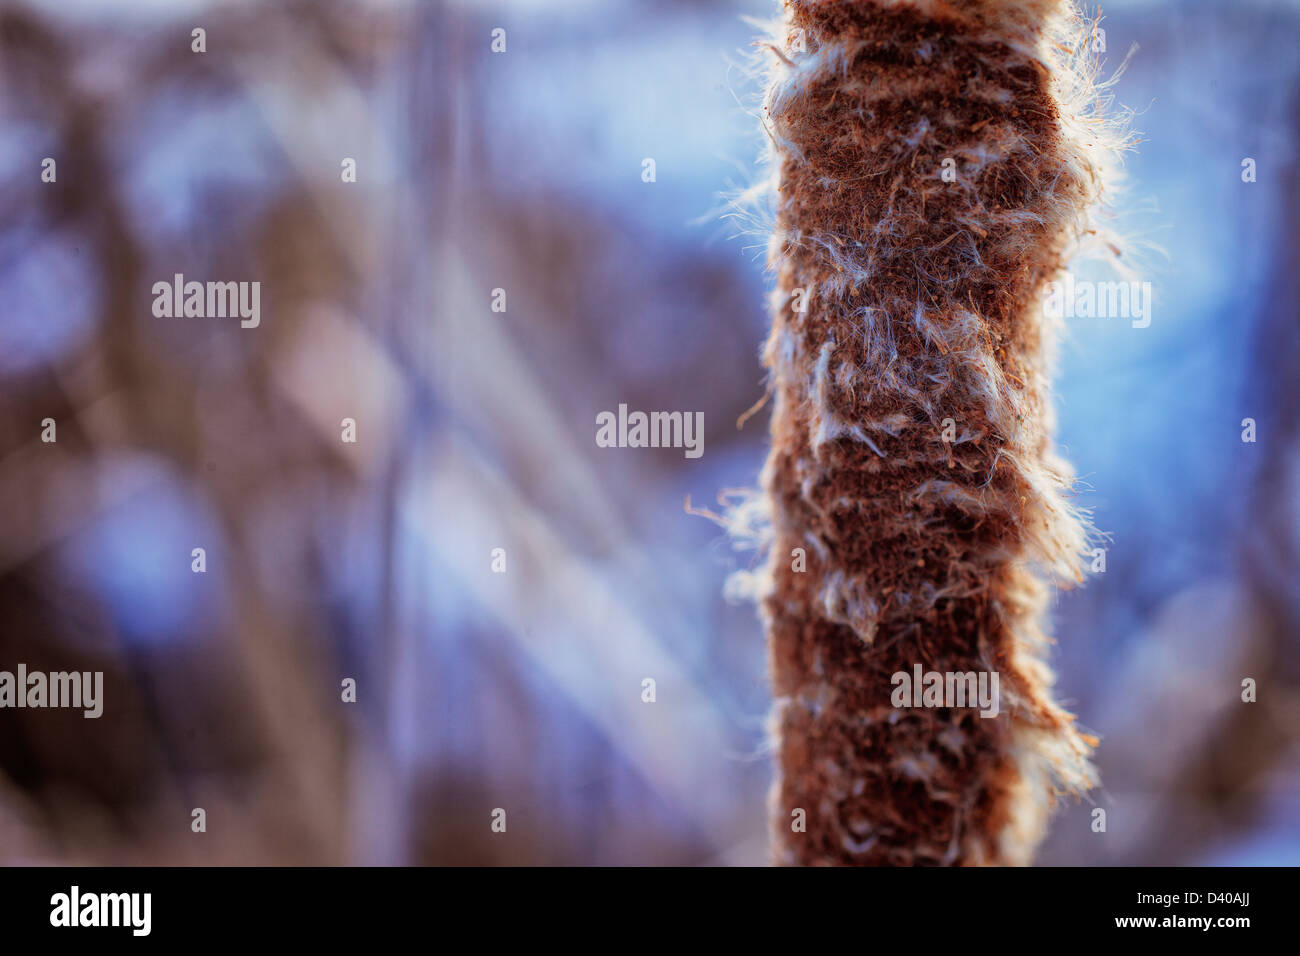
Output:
x,y
911,450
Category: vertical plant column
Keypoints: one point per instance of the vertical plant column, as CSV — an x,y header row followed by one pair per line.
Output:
x,y
932,172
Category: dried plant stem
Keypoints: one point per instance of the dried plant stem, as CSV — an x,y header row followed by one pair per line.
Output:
x,y
911,454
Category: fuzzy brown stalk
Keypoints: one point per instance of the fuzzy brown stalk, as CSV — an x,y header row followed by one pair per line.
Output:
x,y
911,464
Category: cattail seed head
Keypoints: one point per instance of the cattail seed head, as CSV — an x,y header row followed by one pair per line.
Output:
x,y
935,164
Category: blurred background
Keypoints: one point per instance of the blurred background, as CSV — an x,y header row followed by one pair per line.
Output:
x,y
522,171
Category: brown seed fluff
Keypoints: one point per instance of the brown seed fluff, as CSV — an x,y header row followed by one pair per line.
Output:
x,y
911,451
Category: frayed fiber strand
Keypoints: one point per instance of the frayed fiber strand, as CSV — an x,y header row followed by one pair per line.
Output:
x,y
911,456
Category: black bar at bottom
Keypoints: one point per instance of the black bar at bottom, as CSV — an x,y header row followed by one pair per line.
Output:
x,y
615,907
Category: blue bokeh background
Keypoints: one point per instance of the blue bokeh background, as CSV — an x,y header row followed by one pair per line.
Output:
x,y
521,171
